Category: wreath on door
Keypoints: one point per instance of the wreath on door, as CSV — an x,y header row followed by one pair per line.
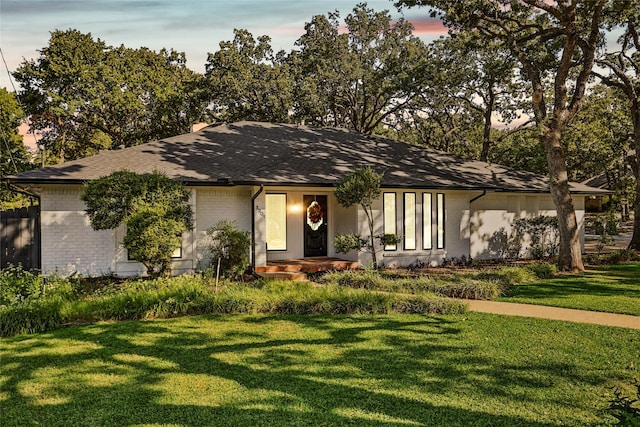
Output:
x,y
315,215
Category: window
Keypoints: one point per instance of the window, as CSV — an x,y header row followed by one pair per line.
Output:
x,y
427,219
409,221
177,253
440,219
276,218
389,202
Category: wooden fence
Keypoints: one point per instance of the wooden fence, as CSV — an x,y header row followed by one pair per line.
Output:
x,y
20,237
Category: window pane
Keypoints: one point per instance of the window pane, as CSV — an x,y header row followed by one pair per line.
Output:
x,y
389,217
440,202
276,217
177,253
409,221
426,221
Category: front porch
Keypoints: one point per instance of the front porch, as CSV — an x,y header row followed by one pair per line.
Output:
x,y
297,269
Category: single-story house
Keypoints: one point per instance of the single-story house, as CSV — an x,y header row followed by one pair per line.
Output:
x,y
278,181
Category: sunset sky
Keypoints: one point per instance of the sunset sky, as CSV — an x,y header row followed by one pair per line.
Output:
x,y
193,26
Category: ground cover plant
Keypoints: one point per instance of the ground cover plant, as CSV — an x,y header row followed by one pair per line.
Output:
x,y
62,302
486,283
274,370
613,288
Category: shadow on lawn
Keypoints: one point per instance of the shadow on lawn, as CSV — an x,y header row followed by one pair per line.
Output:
x,y
274,370
623,281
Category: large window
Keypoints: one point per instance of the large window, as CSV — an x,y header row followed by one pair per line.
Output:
x,y
440,219
276,217
389,207
427,220
409,221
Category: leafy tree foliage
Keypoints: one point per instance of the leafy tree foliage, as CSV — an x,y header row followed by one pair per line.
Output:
x,y
597,143
360,187
556,45
14,156
247,81
154,208
470,84
624,75
84,95
358,78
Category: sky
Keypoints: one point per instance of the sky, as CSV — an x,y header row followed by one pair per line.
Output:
x,y
195,27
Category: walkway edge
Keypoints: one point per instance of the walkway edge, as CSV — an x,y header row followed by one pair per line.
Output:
x,y
554,313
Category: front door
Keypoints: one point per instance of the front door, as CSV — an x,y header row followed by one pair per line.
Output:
x,y
315,225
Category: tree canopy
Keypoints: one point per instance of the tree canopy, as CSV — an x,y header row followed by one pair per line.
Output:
x,y
14,156
358,78
84,95
247,81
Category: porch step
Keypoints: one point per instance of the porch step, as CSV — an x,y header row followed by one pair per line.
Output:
x,y
308,265
283,275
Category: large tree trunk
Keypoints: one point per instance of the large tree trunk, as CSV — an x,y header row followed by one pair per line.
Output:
x,y
570,253
486,136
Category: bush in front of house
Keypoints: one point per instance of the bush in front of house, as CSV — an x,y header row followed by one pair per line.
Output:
x,y
230,246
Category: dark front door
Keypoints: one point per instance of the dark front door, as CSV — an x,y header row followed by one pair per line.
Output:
x,y
315,226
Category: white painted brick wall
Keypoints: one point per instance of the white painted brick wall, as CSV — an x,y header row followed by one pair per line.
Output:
x,y
216,204
69,244
492,218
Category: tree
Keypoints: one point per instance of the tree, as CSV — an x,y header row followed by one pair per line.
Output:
x,y
84,96
154,208
360,187
246,81
624,75
556,45
358,78
597,143
14,156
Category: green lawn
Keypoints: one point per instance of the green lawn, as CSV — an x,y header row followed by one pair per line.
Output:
x,y
269,370
614,289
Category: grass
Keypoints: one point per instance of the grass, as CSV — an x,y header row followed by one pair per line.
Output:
x,y
274,370
613,289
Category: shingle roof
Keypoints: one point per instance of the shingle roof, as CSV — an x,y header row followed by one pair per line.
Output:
x,y
254,153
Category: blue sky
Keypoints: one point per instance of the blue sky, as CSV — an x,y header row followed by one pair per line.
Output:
x,y
193,26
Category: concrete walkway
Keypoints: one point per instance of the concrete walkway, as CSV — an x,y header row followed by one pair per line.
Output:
x,y
554,313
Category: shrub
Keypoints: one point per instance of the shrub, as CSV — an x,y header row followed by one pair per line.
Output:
x,y
231,246
620,256
355,279
543,232
18,285
543,270
31,317
626,409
